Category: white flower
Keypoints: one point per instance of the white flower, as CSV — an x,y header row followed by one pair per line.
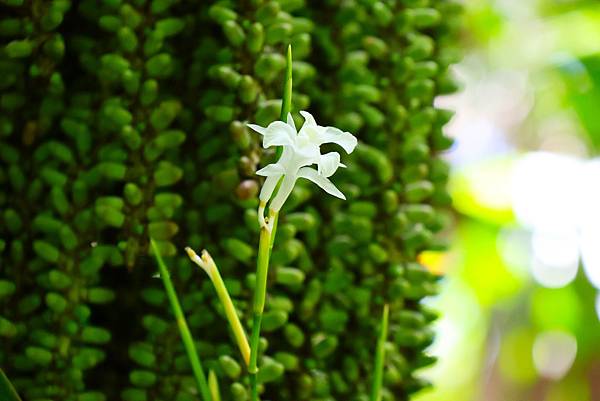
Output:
x,y
300,150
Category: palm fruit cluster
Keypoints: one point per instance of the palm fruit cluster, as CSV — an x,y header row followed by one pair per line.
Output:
x,y
125,119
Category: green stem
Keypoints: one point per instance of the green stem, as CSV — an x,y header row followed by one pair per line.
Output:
x,y
260,294
286,102
265,246
207,263
186,336
380,356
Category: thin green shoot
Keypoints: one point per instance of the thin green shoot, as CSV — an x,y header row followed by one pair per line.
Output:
x,y
186,336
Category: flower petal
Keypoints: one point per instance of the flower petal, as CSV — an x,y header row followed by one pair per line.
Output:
x,y
279,133
290,121
334,135
308,118
271,170
328,163
284,191
312,175
268,187
257,128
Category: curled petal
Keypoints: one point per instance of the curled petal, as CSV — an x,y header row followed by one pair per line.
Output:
x,y
312,175
328,164
308,118
334,135
257,128
279,133
271,169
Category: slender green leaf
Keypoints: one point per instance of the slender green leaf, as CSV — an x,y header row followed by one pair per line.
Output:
x,y
7,391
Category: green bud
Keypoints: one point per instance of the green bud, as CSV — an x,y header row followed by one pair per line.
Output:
x,y
133,194
39,356
167,174
28,304
99,295
420,47
377,160
44,338
221,114
290,276
256,38
149,92
7,329
169,27
56,302
294,335
375,47
55,48
418,191
68,237
425,17
131,137
87,358
164,114
10,27
46,251
230,366
142,354
238,391
7,288
142,378
114,64
12,220
154,324
270,370
382,14
162,230
269,66
134,394
118,115
19,48
160,6
159,66
377,253
278,33
95,335
128,41
221,14
59,280
234,33
273,320
131,81
238,249
110,216
110,23
91,396
248,89
288,360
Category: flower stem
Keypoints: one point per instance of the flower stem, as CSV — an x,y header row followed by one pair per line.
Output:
x,y
186,336
207,263
380,356
265,246
260,293
286,102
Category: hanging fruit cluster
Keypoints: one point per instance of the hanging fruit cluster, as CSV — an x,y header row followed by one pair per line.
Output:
x,y
122,120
